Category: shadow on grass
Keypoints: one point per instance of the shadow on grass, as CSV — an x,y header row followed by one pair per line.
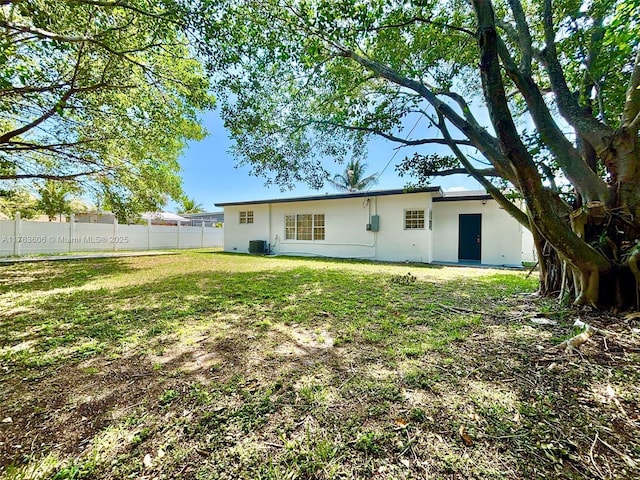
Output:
x,y
307,373
32,277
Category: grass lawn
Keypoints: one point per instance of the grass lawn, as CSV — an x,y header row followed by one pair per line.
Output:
x,y
206,365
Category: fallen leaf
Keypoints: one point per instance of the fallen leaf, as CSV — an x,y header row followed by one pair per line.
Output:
x,y
401,423
146,461
7,420
468,441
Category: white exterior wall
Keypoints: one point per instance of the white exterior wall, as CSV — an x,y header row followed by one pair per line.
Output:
x,y
394,242
237,236
501,235
345,228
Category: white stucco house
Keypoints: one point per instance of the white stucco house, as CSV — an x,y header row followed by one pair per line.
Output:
x,y
422,225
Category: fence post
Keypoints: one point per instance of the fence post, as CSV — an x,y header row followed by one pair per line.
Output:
x,y
17,230
72,221
202,234
115,233
148,234
179,225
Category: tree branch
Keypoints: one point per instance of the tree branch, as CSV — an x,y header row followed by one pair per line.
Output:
x,y
586,181
632,102
464,106
22,146
486,172
47,176
60,104
423,20
480,177
523,35
41,33
48,114
590,83
127,6
24,90
590,128
390,137
539,200
479,137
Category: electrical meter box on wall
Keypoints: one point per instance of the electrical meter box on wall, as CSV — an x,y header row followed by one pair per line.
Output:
x,y
374,226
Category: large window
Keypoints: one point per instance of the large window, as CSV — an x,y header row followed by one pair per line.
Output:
x,y
246,217
304,226
414,219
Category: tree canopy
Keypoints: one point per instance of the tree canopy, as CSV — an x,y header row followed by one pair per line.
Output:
x,y
102,93
55,198
538,98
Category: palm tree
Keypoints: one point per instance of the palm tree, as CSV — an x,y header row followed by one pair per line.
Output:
x,y
189,205
353,179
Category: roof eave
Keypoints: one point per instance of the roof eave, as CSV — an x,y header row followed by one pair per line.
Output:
x,y
339,196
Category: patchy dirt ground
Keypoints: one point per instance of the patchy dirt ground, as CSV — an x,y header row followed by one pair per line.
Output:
x,y
402,384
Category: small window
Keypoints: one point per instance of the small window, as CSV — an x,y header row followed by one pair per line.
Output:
x,y
290,227
414,219
430,219
246,217
318,226
304,226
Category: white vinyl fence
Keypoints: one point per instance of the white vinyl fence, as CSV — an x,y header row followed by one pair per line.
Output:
x,y
20,237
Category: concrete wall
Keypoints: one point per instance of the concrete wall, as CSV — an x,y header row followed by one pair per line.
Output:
x,y
501,234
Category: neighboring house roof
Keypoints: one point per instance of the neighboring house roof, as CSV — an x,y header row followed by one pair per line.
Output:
x,y
203,215
163,216
96,212
373,193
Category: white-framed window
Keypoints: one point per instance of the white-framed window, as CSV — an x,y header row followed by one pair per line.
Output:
x,y
414,219
246,217
304,226
430,219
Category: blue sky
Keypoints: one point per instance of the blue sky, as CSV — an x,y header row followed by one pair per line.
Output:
x,y
209,175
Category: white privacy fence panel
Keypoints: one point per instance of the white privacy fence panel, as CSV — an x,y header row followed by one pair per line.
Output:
x,y
93,237
136,238
190,237
163,236
20,237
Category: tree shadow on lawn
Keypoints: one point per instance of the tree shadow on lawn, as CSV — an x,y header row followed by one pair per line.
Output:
x,y
314,374
43,276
